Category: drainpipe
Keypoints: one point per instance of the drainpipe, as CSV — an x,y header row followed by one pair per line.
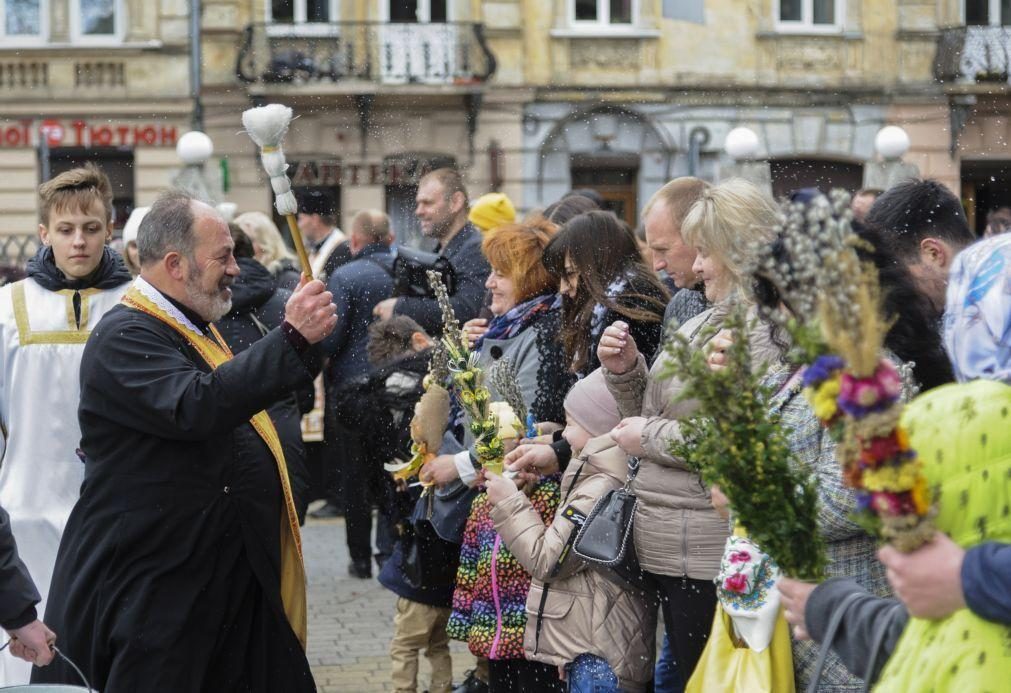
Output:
x,y
196,11
697,139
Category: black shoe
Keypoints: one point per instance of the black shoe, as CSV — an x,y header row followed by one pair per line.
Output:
x,y
360,569
327,511
471,684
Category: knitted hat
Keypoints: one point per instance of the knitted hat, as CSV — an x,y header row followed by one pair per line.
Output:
x,y
591,406
133,223
492,210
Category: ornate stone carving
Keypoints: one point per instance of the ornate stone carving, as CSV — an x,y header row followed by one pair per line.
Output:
x,y
623,54
810,56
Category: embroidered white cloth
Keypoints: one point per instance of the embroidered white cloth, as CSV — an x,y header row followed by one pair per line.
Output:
x,y
745,586
158,298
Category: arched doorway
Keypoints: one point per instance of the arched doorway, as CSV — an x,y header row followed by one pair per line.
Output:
x,y
619,152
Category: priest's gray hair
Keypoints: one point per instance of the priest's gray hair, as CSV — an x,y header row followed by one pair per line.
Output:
x,y
167,227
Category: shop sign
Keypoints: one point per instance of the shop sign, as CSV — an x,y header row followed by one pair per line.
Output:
x,y
84,133
333,172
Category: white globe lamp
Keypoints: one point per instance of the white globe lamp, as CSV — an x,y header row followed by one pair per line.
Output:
x,y
194,148
891,142
741,143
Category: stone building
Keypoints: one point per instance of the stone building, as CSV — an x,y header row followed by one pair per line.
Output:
x,y
530,97
89,79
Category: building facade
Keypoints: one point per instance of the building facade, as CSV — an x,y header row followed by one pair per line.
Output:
x,y
529,97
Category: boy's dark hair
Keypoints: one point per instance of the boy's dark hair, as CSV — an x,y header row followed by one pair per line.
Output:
x,y
391,339
918,209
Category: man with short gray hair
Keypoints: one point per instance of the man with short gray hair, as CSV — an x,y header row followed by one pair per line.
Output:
x,y
180,568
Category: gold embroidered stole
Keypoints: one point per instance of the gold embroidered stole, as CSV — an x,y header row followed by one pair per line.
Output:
x,y
215,352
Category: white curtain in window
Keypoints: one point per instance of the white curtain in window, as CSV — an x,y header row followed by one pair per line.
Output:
x,y
98,17
24,18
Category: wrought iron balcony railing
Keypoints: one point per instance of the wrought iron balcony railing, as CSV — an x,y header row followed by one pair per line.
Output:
x,y
376,52
971,54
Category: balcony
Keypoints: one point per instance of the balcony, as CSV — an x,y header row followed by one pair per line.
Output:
x,y
974,54
359,55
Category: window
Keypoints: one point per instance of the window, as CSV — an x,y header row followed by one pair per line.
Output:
x,y
415,11
987,12
602,13
97,21
302,11
23,21
809,15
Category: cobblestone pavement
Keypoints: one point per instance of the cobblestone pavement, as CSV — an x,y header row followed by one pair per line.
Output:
x,y
351,620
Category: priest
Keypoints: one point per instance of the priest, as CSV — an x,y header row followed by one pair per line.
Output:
x,y
180,568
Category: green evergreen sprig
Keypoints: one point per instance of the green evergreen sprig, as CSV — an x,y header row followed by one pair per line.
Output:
x,y
735,442
468,381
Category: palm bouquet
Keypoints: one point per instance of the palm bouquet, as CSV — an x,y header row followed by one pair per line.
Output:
x,y
734,441
836,319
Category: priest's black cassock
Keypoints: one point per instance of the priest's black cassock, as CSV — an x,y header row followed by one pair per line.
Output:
x,y
169,572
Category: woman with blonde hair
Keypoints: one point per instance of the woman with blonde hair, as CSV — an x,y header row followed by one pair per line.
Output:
x,y
678,535
271,251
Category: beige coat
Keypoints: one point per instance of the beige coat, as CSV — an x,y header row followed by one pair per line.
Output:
x,y
578,599
677,532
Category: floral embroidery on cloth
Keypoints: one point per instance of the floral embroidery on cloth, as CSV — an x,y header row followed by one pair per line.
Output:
x,y
745,588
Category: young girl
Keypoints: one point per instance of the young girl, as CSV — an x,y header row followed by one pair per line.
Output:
x,y
568,603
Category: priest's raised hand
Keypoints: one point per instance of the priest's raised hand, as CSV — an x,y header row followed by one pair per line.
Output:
x,y
311,310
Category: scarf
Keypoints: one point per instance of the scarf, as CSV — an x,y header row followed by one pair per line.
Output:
x,y
519,317
977,316
110,273
614,289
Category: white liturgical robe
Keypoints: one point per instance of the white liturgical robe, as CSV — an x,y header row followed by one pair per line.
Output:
x,y
41,345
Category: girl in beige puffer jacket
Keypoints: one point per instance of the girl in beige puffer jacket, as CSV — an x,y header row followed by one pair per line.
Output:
x,y
568,602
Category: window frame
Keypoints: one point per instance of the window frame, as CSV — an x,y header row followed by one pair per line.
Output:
x,y
424,9
993,10
21,40
299,26
806,24
603,21
299,12
115,38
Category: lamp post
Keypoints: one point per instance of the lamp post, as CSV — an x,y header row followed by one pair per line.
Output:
x,y
743,146
194,148
891,144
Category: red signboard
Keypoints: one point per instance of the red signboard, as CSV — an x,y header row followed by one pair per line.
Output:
x,y
84,133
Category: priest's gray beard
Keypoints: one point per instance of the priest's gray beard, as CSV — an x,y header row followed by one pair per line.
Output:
x,y
213,305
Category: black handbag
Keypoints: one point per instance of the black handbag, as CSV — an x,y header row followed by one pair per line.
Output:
x,y
431,542
605,539
410,272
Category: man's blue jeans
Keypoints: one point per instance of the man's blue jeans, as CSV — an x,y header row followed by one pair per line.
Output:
x,y
667,678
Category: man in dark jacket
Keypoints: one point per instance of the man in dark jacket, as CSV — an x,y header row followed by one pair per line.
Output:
x,y
357,287
442,210
180,566
30,639
258,307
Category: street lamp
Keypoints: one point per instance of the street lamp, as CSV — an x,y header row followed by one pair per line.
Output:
x,y
194,148
891,142
742,146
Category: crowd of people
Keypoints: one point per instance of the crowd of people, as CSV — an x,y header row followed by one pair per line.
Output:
x,y
159,485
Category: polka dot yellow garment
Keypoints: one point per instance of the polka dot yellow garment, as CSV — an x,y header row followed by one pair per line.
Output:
x,y
963,435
